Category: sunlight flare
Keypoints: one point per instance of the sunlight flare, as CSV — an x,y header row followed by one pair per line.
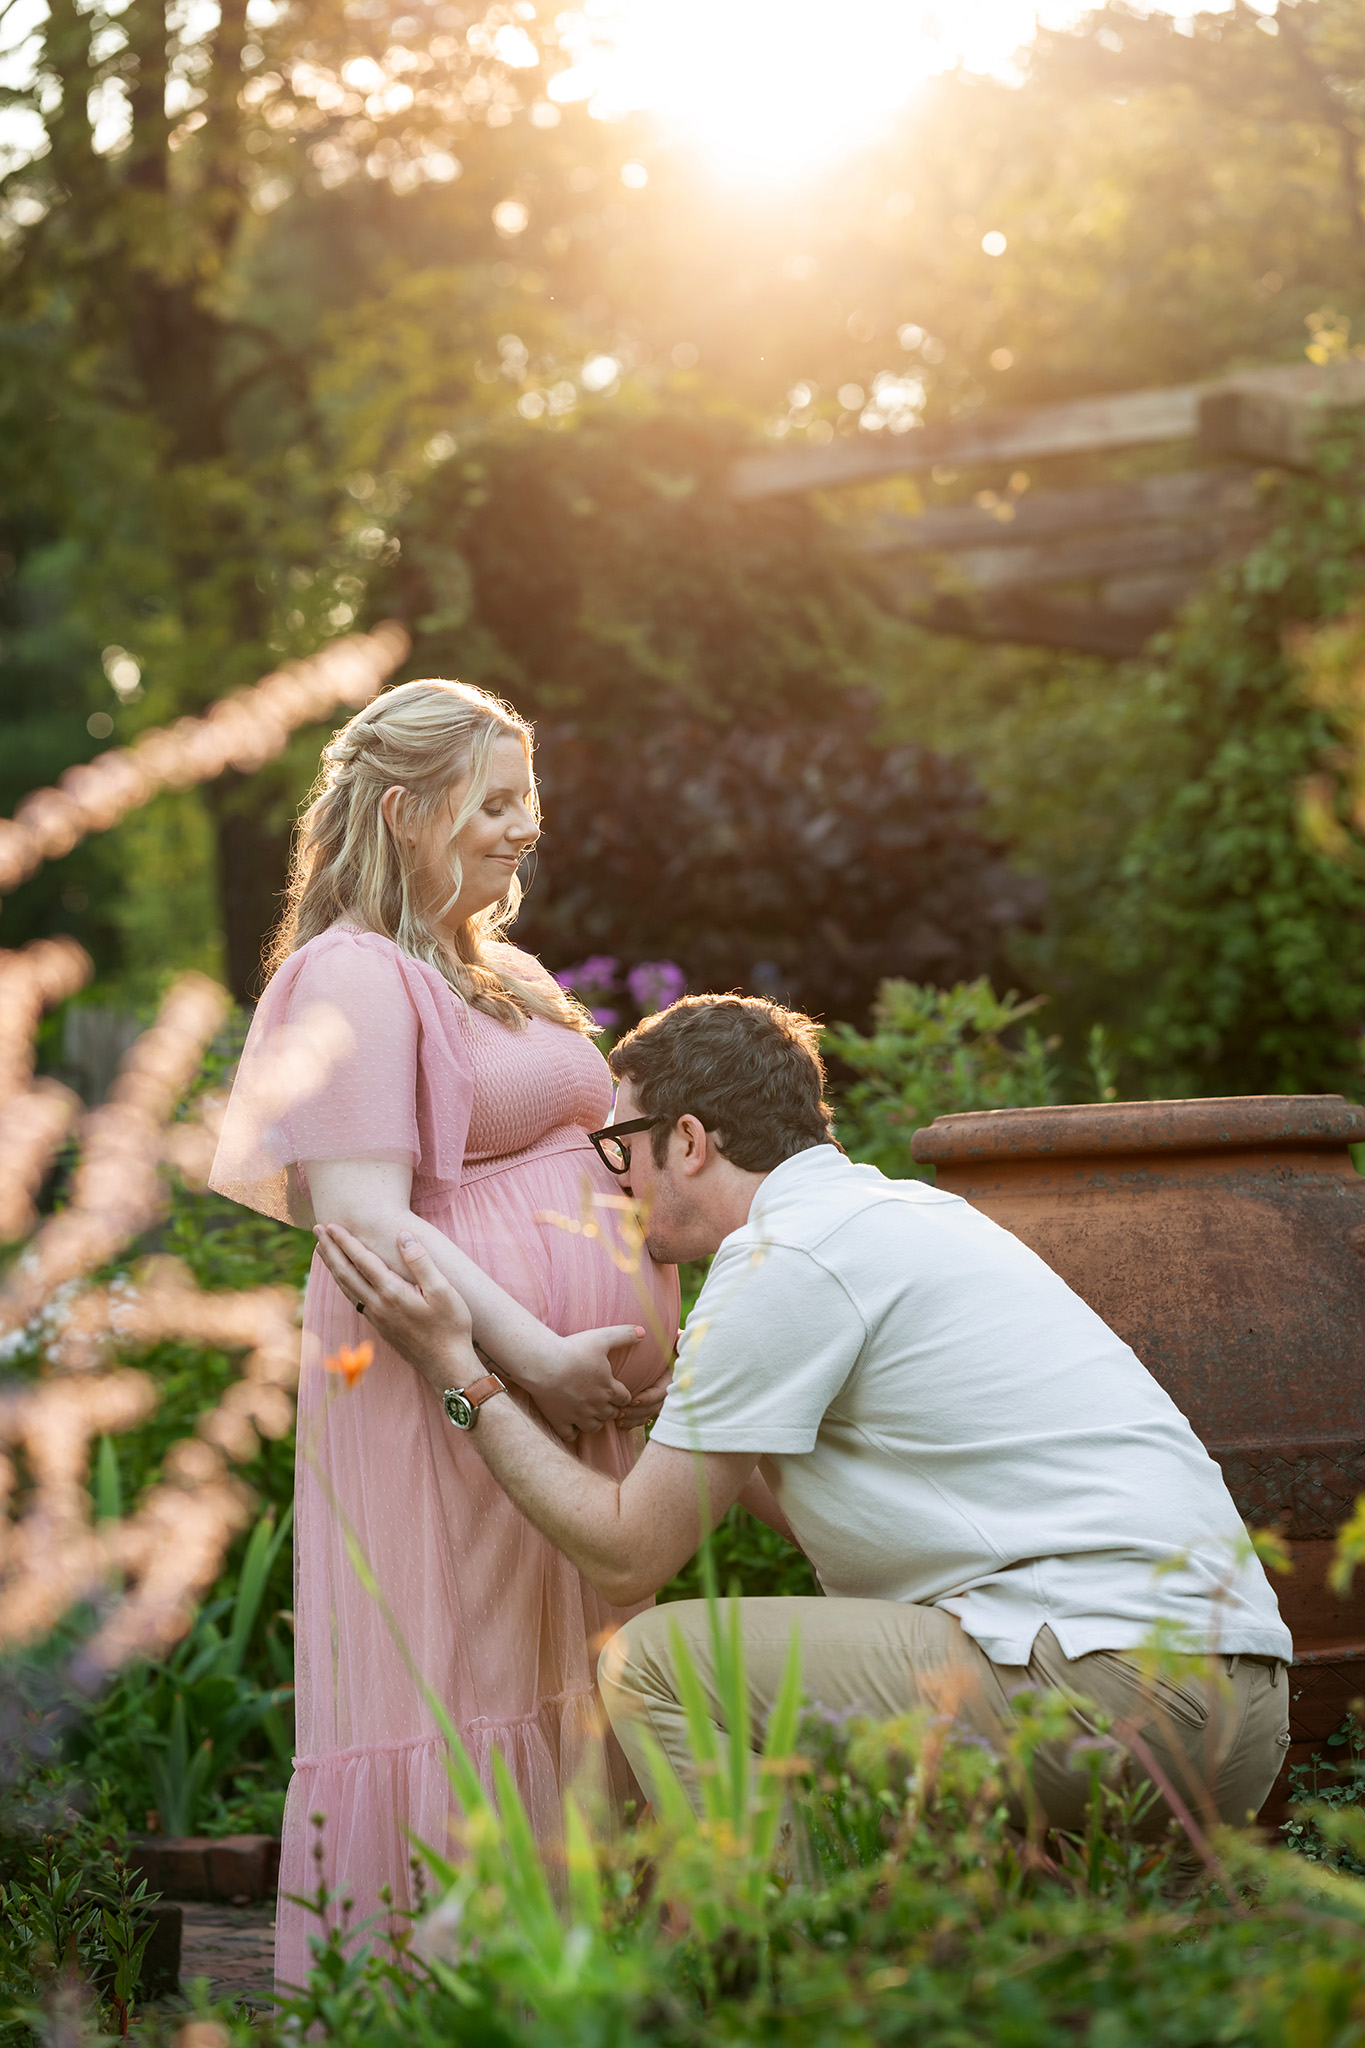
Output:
x,y
774,89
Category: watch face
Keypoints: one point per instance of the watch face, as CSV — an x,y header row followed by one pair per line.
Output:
x,y
458,1409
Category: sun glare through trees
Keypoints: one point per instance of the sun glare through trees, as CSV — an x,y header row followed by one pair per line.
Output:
x,y
771,90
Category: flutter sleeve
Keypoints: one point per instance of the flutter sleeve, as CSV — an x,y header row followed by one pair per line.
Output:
x,y
355,1052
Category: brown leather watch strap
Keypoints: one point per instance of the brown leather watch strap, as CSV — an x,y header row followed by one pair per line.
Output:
x,y
479,1391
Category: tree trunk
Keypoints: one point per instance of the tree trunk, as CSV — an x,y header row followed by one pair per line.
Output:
x,y
253,865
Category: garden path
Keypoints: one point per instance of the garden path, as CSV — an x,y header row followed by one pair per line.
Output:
x,y
234,1947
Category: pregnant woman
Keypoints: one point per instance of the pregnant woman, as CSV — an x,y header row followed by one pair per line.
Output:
x,y
407,1070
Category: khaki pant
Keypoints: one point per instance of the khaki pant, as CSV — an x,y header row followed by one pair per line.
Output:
x,y
1217,1730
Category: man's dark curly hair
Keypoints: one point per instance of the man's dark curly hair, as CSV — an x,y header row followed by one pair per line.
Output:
x,y
749,1070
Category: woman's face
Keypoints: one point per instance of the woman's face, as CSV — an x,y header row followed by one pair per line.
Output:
x,y
489,845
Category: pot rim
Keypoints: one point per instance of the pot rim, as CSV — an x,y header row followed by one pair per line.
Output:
x,y
1202,1123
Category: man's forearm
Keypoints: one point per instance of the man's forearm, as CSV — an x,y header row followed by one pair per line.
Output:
x,y
626,1538
758,1499
577,1508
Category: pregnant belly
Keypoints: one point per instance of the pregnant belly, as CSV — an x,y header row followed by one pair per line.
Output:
x,y
545,1227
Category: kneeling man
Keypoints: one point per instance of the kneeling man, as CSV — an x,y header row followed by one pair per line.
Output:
x,y
996,1495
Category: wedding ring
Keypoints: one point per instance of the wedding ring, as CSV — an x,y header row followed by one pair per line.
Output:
x,y
360,1308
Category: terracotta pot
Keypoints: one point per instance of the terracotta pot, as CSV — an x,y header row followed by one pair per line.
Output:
x,y
1224,1239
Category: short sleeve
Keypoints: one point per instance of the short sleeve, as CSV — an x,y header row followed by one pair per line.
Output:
x,y
767,1349
353,1053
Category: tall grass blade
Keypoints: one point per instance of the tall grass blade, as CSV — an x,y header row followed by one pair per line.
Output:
x,y
108,1486
528,1887
733,1688
700,1728
580,1866
779,1747
261,1551
671,1802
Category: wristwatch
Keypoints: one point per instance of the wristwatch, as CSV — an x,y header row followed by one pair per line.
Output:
x,y
462,1404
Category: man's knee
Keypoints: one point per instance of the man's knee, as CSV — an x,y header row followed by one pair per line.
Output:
x,y
632,1661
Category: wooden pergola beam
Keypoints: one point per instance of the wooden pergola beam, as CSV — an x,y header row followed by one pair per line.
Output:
x,y
1269,415
1132,419
1226,493
1082,558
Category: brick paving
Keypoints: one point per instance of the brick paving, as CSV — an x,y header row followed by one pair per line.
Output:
x,y
234,1947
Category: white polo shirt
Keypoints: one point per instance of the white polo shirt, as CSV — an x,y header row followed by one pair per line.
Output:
x,y
944,1421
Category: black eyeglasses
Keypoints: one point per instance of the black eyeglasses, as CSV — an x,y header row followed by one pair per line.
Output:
x,y
613,1154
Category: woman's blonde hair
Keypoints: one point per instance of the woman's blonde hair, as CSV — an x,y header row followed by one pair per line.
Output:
x,y
349,868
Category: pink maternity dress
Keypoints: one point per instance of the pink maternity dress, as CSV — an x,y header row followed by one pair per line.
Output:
x,y
359,1052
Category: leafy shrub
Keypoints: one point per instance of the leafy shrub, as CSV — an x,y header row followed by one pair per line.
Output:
x,y
933,1052
201,1731
806,862
611,574
1227,917
750,1559
919,1912
1319,1791
74,1921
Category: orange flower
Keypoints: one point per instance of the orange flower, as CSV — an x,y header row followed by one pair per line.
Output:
x,y
353,1361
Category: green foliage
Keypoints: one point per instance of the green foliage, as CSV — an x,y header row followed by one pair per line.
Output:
x,y
750,1558
608,576
162,894
919,1913
933,1052
1327,1802
804,859
302,377
1159,801
202,1730
74,1928
1226,914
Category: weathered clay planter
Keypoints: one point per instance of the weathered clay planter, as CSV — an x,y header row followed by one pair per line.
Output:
x,y
1224,1239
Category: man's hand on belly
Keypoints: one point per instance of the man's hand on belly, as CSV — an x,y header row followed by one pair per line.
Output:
x,y
427,1321
645,1405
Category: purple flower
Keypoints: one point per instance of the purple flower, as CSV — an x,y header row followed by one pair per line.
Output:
x,y
654,984
604,1019
595,976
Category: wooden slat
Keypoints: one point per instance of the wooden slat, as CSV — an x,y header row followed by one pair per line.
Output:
x,y
1151,593
1039,515
1077,558
1125,419
1131,419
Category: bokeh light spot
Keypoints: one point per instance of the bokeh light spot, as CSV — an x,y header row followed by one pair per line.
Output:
x,y
600,373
